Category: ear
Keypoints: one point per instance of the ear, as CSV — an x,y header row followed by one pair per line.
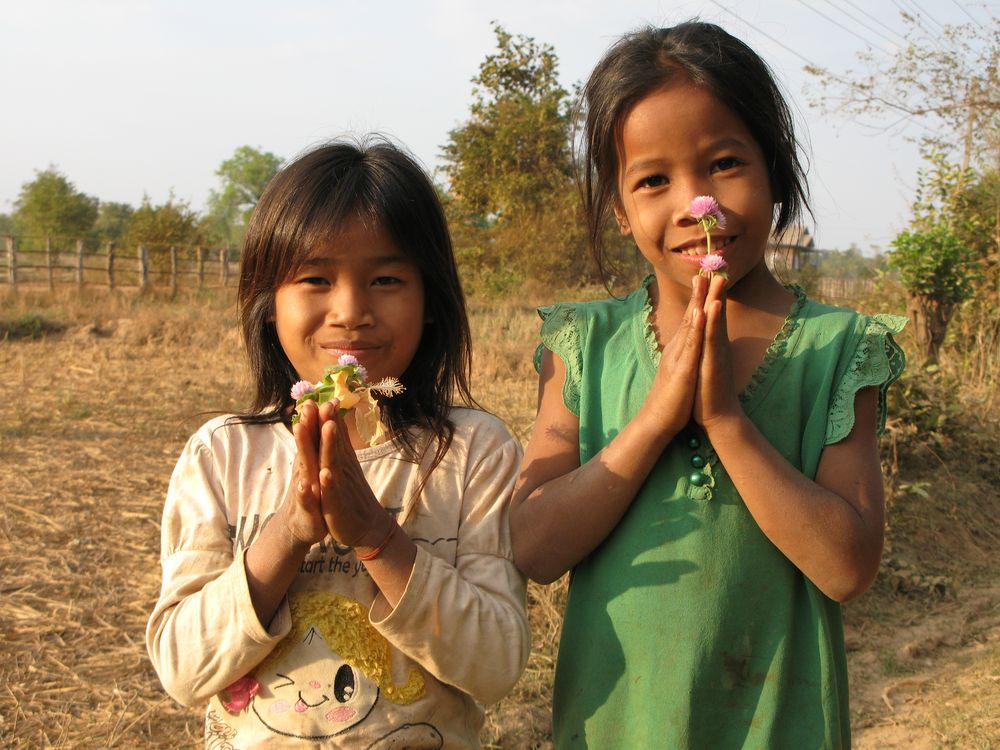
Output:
x,y
622,219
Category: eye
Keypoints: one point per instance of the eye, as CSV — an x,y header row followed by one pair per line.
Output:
x,y
343,684
386,281
313,280
725,163
289,682
653,181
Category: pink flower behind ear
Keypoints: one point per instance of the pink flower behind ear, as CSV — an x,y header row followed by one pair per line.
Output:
x,y
237,696
705,209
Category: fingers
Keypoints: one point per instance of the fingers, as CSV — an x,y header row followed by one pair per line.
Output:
x,y
715,312
306,433
327,442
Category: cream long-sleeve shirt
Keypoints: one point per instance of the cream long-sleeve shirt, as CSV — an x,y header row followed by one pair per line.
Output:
x,y
331,674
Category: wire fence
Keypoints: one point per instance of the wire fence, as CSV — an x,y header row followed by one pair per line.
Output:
x,y
60,261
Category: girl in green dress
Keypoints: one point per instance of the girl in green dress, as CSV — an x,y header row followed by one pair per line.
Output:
x,y
705,457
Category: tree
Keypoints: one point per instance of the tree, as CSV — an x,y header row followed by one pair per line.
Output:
x,y
933,264
171,223
947,83
243,178
509,167
113,221
51,205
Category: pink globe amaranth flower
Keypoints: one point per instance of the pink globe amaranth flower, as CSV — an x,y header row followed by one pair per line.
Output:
x,y
713,263
237,697
704,206
347,359
301,388
363,373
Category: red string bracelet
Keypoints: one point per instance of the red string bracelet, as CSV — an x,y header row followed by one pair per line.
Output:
x,y
381,548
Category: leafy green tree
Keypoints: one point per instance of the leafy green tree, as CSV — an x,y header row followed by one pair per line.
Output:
x,y
113,220
513,153
6,224
933,265
51,205
243,178
936,261
512,197
170,223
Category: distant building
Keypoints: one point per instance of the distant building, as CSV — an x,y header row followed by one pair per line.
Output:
x,y
792,250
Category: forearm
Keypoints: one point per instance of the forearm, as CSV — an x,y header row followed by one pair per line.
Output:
x,y
464,624
272,563
835,543
561,521
203,633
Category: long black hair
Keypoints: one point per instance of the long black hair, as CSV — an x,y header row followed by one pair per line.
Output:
x,y
645,60
306,204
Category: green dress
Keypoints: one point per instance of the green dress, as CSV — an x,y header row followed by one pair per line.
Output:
x,y
686,627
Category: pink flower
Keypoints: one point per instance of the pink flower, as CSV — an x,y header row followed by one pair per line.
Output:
x,y
347,359
237,696
712,263
705,209
301,388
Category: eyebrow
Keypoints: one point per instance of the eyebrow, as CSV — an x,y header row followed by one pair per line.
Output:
x,y
721,143
322,260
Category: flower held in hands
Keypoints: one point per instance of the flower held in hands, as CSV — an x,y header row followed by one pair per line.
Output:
x,y
347,382
706,211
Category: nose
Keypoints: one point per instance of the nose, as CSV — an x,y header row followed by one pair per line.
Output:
x,y
684,193
350,307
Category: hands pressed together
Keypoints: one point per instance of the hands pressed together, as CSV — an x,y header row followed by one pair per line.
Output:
x,y
695,377
329,492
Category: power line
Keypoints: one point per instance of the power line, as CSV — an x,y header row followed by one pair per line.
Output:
x,y
859,21
845,28
966,12
879,21
926,14
811,64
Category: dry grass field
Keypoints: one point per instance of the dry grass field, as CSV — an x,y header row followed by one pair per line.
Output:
x,y
98,394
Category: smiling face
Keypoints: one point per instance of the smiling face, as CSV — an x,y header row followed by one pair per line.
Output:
x,y
356,294
312,693
680,142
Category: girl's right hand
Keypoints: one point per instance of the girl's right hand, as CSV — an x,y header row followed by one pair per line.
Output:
x,y
301,512
671,398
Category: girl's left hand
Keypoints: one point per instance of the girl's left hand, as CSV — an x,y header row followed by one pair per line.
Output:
x,y
715,396
352,513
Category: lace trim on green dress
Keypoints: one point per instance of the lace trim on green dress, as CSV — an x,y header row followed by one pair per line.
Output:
x,y
776,350
560,336
878,360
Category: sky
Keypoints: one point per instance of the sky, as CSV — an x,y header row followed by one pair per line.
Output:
x,y
134,98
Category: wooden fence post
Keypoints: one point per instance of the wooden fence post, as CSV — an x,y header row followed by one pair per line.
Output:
x,y
173,269
143,253
79,263
201,266
111,265
12,262
224,261
48,260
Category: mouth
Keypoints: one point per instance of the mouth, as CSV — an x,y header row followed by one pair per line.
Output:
x,y
696,249
357,349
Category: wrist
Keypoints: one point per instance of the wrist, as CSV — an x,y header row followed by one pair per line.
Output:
x,y
724,426
374,543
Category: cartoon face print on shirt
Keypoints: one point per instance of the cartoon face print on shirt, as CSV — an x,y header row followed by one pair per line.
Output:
x,y
312,693
329,672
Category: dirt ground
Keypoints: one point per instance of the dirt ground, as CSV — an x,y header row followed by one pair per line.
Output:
x,y
94,412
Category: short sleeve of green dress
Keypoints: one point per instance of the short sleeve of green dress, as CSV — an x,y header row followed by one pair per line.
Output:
x,y
687,628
